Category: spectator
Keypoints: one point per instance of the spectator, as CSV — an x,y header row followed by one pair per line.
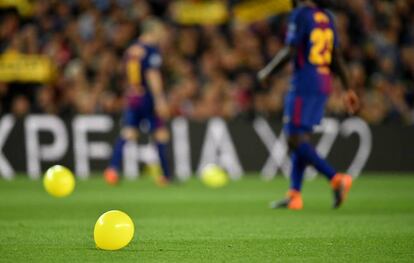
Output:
x,y
209,70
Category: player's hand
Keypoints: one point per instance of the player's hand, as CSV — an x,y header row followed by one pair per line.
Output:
x,y
163,111
352,102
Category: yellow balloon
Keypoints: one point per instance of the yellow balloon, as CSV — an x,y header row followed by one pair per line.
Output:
x,y
59,181
113,230
214,176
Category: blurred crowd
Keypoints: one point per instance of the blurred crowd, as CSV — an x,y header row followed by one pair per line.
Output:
x,y
208,70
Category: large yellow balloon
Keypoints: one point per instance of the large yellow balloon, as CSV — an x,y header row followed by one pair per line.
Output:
x,y
214,176
59,181
113,230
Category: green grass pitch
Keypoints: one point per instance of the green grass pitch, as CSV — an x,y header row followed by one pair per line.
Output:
x,y
191,223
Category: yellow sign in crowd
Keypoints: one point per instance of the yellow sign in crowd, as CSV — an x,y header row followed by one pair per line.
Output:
x,y
37,68
216,12
24,7
198,12
16,67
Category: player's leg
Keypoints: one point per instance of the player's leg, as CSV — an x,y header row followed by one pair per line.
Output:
x,y
129,132
298,169
293,108
302,113
341,183
111,174
293,198
306,152
161,137
302,154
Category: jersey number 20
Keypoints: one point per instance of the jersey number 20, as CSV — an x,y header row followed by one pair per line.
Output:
x,y
322,45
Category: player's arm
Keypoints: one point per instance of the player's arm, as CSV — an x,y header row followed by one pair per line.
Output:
x,y
339,67
294,37
155,83
277,63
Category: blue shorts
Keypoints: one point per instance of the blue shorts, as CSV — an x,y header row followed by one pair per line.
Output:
x,y
142,113
303,112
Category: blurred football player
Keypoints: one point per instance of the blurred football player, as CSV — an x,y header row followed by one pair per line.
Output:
x,y
145,99
312,43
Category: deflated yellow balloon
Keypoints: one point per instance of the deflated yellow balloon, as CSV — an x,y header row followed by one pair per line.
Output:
x,y
113,230
59,181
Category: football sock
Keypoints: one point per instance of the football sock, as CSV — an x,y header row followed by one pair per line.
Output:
x,y
117,154
308,154
298,169
162,154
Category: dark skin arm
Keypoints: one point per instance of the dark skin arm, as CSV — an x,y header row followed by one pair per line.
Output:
x,y
338,66
277,64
